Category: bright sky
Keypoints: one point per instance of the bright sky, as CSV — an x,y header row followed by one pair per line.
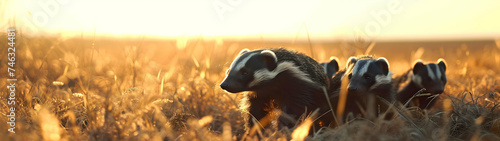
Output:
x,y
333,19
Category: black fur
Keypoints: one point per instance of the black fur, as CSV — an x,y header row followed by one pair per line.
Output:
x,y
292,95
331,67
305,64
432,87
358,88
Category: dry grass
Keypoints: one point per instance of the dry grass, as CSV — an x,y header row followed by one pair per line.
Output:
x,y
79,89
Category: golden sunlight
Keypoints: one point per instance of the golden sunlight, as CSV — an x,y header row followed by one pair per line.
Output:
x,y
185,70
391,19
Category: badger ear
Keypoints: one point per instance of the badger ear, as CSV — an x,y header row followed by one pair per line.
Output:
x,y
442,63
351,61
384,65
270,59
334,64
418,65
243,51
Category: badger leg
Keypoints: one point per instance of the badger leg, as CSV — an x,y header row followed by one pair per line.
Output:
x,y
290,115
257,111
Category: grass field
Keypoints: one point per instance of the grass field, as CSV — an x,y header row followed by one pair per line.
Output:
x,y
144,89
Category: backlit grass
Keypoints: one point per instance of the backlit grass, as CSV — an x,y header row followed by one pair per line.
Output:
x,y
105,89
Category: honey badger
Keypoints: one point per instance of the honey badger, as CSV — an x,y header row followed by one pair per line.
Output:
x,y
368,82
331,67
430,76
278,79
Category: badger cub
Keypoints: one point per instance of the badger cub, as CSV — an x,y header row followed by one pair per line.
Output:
x,y
367,81
278,79
430,76
331,67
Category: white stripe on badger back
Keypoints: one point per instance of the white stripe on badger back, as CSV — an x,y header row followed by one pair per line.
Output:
x,y
430,72
360,71
264,74
243,61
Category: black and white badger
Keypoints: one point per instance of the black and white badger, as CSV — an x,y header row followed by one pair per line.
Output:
x,y
278,79
430,76
331,68
368,82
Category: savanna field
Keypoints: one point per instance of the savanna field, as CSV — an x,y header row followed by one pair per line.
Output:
x,y
143,88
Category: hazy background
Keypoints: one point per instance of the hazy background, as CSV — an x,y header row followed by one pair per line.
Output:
x,y
151,69
257,19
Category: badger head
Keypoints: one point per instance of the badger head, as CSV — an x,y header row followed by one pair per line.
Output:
x,y
432,76
367,74
331,67
246,71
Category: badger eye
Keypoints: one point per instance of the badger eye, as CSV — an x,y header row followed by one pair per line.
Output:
x,y
367,77
243,72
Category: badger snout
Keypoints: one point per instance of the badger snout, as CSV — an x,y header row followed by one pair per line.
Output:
x,y
224,86
435,88
231,87
227,86
438,91
352,87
